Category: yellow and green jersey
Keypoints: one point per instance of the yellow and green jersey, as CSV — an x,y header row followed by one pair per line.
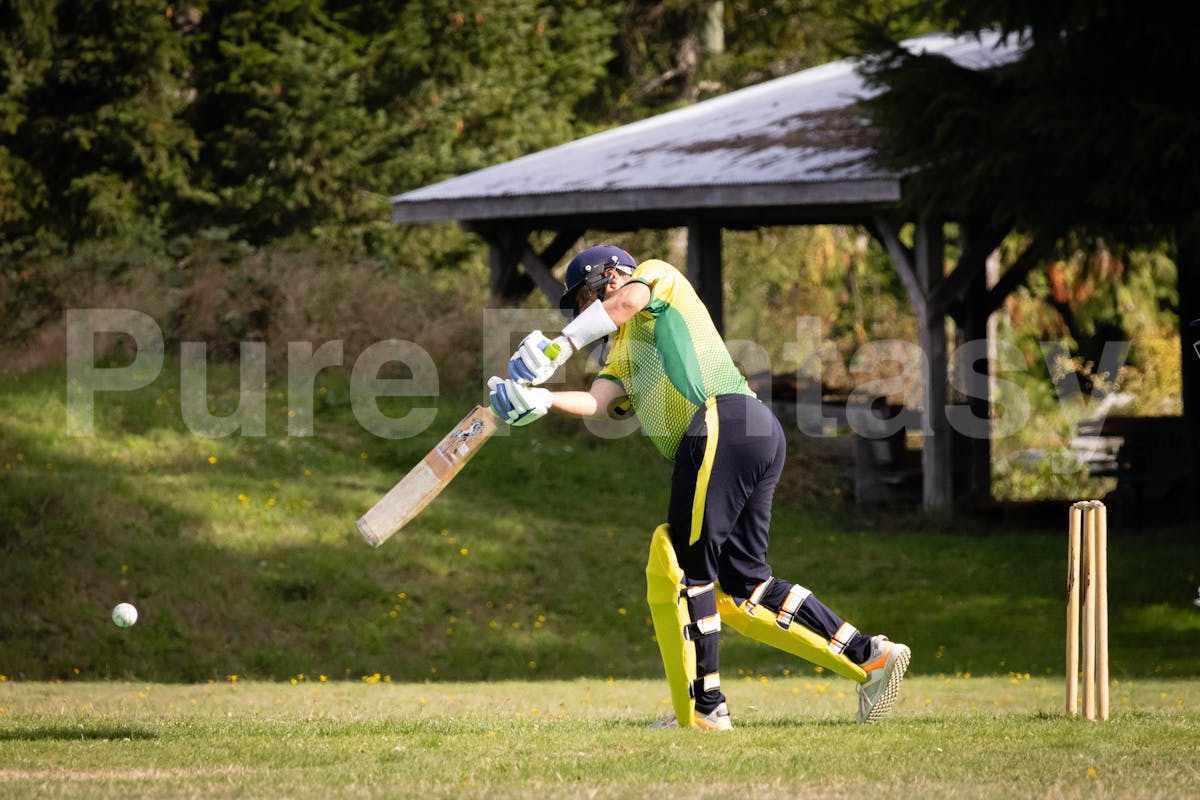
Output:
x,y
670,358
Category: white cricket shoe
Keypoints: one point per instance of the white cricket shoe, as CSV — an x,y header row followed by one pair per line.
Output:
x,y
716,720
885,670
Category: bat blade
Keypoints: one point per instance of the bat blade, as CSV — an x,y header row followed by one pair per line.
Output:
x,y
426,480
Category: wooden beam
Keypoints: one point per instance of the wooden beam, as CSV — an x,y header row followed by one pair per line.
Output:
x,y
888,234
538,266
540,273
865,191
1187,267
704,267
937,451
973,370
508,285
980,242
563,241
1031,257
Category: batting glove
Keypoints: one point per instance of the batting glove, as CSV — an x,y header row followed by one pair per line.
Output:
x,y
538,357
516,403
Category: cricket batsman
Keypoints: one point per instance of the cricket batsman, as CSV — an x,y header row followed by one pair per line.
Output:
x,y
708,563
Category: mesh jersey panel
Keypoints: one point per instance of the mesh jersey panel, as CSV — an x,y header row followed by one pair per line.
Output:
x,y
670,358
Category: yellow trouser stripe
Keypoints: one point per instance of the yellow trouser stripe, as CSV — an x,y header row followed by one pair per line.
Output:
x,y
713,424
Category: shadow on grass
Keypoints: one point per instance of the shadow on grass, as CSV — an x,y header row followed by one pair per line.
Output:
x,y
507,576
68,733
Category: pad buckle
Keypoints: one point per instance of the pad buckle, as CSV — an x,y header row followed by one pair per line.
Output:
x,y
842,638
791,604
702,627
756,595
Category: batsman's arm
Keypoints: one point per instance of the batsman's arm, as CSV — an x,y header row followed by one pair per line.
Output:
x,y
596,402
627,301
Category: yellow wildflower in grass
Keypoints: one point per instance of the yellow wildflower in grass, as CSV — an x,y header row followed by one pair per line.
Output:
x,y
231,678
372,678
1091,772
621,611
243,499
212,459
295,682
270,502
462,551
323,678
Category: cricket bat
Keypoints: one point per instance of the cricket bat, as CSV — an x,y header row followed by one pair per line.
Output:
x,y
427,479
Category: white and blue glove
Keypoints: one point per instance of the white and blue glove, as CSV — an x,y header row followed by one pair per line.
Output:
x,y
516,403
538,357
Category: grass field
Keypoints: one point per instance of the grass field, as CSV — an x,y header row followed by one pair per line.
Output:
x,y
241,556
278,655
950,737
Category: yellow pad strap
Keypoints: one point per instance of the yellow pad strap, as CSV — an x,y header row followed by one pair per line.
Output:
x,y
759,624
713,425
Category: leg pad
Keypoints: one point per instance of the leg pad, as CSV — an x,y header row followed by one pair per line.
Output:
x,y
760,624
667,598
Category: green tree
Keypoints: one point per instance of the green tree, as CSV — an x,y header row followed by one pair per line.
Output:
x,y
90,139
1089,134
289,142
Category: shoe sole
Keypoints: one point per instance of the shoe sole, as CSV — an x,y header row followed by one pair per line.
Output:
x,y
887,699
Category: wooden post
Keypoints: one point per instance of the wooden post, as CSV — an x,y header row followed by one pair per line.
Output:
x,y
1187,266
976,488
937,459
1102,610
1089,612
704,267
508,284
1074,532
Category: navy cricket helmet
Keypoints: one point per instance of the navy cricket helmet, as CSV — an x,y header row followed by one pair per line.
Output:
x,y
588,268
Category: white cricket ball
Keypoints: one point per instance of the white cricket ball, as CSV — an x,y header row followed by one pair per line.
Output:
x,y
124,615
